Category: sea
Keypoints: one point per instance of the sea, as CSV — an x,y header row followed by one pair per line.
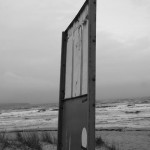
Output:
x,y
110,114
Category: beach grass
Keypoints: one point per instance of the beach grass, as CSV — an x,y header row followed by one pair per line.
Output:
x,y
101,144
26,140
48,138
29,139
5,142
35,141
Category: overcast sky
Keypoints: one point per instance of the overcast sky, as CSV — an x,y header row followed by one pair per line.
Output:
x,y
30,46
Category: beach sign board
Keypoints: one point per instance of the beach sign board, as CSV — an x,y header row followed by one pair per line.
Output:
x,y
76,123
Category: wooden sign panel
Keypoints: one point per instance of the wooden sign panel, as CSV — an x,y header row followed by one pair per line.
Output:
x,y
76,126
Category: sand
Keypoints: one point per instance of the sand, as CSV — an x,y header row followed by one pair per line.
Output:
x,y
127,140
131,139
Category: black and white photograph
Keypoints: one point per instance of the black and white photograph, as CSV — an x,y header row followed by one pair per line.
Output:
x,y
75,75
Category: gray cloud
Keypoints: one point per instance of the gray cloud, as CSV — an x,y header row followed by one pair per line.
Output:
x,y
122,66
30,46
128,90
141,2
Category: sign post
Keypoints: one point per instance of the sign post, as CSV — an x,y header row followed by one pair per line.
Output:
x,y
76,123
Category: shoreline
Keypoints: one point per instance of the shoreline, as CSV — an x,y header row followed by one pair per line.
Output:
x,y
119,129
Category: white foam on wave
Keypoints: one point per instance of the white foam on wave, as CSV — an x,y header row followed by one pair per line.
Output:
x,y
107,116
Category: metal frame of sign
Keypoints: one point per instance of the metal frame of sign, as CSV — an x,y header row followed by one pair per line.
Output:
x,y
67,104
